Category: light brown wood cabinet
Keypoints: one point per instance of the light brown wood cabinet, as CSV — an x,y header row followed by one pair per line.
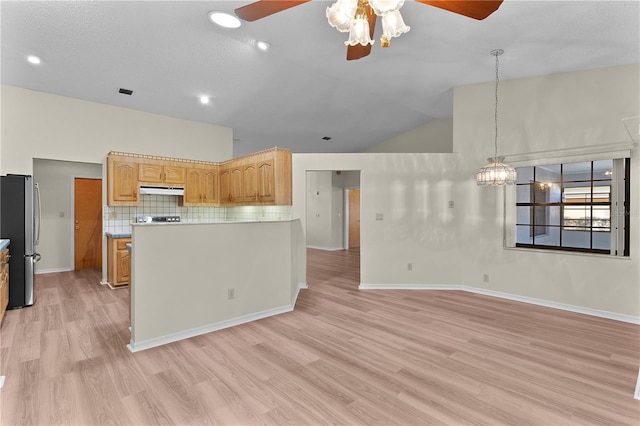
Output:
x,y
201,186
263,178
4,282
273,170
122,181
161,172
118,261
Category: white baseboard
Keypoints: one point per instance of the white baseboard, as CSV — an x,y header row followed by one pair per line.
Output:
x,y
52,270
197,331
636,394
326,248
541,302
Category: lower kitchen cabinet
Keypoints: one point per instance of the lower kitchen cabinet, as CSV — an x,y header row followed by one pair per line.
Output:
x,y
4,282
118,261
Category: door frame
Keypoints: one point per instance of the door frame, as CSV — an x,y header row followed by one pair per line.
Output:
x,y
72,213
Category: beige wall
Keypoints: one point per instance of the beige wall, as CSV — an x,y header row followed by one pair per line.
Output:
x,y
455,247
43,125
434,136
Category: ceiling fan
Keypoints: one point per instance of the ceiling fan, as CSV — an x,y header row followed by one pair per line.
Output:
x,y
358,17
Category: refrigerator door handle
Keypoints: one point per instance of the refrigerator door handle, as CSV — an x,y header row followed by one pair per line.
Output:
x,y
37,221
37,257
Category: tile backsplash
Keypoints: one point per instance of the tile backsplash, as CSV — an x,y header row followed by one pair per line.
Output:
x,y
117,219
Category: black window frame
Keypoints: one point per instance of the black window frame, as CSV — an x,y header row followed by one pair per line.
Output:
x,y
537,206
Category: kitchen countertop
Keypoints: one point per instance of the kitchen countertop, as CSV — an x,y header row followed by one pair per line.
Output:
x,y
120,235
4,244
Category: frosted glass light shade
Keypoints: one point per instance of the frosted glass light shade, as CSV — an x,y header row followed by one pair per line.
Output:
x,y
359,33
380,7
496,173
340,14
393,25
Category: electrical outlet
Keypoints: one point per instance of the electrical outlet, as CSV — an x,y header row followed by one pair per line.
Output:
x,y
451,204
231,293
379,216
409,266
486,278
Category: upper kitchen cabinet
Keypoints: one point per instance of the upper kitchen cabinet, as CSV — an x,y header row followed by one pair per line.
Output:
x,y
122,181
201,186
273,170
225,183
249,180
161,172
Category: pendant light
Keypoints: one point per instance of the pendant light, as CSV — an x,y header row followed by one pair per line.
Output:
x,y
496,173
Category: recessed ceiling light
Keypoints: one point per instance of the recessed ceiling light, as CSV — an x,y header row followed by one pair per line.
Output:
x,y
204,100
262,45
33,59
224,19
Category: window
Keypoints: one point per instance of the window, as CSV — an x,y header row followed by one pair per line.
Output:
x,y
581,206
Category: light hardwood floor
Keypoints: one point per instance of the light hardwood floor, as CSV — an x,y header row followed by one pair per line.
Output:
x,y
343,356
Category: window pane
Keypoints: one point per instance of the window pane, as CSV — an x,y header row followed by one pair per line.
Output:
x,y
577,218
523,215
524,234
601,218
547,236
524,174
549,173
576,171
602,192
602,169
602,240
576,239
523,194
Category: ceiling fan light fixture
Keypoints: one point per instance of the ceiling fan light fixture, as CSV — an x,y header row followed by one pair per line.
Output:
x,y
380,7
359,33
393,25
341,13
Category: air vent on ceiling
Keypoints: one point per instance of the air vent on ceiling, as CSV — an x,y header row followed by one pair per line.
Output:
x,y
326,138
125,91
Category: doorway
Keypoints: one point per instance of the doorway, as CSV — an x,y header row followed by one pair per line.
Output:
x,y
87,223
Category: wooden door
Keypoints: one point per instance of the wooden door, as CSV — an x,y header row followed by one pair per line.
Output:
x,y
87,241
354,218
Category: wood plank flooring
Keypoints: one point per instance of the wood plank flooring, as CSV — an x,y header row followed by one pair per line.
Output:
x,y
343,356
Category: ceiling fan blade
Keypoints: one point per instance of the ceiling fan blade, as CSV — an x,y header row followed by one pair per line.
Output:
x,y
260,9
477,9
359,51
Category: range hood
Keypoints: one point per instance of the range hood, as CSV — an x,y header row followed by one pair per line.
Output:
x,y
161,190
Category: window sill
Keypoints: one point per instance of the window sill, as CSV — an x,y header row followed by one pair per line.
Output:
x,y
566,252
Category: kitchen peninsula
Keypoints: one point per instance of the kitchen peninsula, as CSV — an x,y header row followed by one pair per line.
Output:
x,y
189,279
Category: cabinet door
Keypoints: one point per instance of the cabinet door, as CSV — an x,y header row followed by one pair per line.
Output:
x,y
266,180
192,190
123,261
236,190
209,186
225,186
150,173
122,182
249,182
174,175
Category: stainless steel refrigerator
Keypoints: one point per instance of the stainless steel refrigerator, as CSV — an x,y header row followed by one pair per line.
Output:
x,y
20,223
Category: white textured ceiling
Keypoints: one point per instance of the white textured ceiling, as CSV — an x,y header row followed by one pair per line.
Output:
x,y
303,88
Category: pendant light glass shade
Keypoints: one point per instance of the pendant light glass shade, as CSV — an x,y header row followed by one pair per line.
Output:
x,y
380,7
393,25
496,173
359,33
341,13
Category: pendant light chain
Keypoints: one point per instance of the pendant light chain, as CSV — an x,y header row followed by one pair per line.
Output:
x,y
496,53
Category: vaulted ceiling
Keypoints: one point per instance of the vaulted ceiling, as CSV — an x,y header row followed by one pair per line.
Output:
x,y
302,89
